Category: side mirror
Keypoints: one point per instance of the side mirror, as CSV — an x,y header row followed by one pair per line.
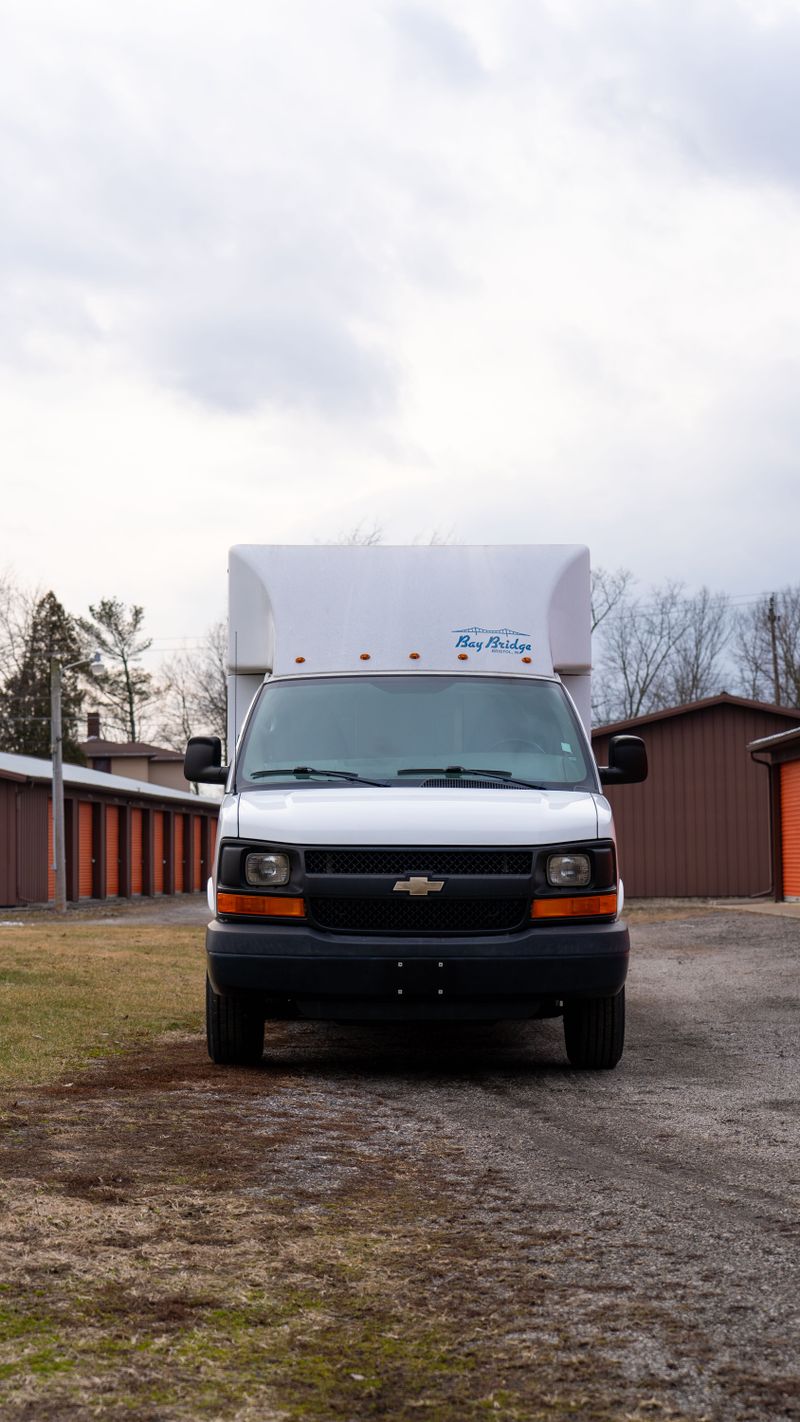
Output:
x,y
627,761
202,762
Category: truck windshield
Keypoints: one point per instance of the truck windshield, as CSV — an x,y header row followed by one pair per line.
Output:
x,y
404,731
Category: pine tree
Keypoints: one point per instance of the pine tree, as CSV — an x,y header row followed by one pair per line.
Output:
x,y
25,698
124,690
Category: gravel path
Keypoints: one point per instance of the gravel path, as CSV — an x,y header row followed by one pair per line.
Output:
x,y
613,1245
668,1190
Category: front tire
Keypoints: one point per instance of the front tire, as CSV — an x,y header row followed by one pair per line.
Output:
x,y
594,1031
234,1033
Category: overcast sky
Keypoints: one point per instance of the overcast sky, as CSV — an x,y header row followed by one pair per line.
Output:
x,y
520,271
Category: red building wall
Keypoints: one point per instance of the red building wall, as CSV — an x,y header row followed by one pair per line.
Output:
x,y
699,826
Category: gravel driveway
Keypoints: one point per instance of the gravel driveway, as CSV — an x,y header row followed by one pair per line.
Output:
x,y
612,1245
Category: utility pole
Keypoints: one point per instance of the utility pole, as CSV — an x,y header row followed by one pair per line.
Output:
x,y
59,843
773,619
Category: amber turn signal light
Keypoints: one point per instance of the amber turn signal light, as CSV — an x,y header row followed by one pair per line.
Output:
x,y
261,905
582,906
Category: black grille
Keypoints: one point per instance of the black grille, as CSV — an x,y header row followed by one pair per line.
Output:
x,y
469,785
418,861
423,916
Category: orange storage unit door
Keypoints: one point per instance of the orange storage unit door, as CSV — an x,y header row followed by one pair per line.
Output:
x,y
85,856
112,851
51,868
790,828
158,852
212,842
196,844
179,853
137,850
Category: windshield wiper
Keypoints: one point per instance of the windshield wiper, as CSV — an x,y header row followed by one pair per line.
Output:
x,y
309,770
456,770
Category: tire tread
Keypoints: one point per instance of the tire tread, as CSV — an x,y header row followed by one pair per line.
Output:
x,y
234,1033
594,1031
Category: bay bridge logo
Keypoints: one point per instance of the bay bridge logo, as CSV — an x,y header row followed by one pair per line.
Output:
x,y
492,639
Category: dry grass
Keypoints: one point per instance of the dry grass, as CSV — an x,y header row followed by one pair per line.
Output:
x,y
182,1244
73,991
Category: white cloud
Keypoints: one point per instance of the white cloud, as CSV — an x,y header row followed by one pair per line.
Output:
x,y
524,269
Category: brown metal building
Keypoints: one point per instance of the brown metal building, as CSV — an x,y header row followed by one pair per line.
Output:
x,y
123,837
699,826
781,754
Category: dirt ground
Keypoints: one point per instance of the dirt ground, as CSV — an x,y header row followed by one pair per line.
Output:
x,y
425,1223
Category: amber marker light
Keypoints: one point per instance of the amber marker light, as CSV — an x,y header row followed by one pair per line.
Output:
x,y
463,656
584,906
299,660
413,656
526,660
365,656
261,905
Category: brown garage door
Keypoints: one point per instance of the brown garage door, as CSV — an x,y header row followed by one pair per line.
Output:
x,y
85,856
112,851
790,828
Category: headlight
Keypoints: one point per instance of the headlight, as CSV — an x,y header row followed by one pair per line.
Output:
x,y
569,871
267,870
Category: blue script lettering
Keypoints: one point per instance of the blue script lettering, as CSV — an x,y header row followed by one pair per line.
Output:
x,y
498,644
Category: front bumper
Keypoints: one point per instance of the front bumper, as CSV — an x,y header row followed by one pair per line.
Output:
x,y
294,970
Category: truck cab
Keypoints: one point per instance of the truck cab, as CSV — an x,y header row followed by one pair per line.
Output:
x,y
413,826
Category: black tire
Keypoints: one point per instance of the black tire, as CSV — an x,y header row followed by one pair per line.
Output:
x,y
594,1031
235,1034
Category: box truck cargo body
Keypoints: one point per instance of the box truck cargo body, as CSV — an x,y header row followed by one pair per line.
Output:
x,y
413,825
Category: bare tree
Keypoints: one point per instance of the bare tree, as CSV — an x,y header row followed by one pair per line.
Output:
x,y
366,535
125,688
608,591
641,638
193,692
437,538
17,609
361,535
767,649
694,670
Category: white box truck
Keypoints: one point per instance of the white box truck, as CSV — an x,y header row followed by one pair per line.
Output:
x,y
413,826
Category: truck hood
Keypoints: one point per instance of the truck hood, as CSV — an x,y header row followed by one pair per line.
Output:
x,y
412,815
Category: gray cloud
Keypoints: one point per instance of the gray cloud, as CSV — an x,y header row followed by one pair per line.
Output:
x,y
714,79
437,49
238,214
236,361
236,228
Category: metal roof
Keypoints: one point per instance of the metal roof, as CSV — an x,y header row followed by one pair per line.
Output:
x,y
96,747
780,738
30,767
724,698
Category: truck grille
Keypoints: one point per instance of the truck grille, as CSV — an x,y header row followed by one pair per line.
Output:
x,y
418,861
459,784
423,916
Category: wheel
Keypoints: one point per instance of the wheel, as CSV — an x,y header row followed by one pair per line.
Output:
x,y
235,1034
594,1031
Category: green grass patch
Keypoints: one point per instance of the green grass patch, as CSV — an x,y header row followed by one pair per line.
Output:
x,y
307,1356
73,991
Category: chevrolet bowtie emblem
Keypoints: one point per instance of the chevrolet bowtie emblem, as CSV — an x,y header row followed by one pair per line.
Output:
x,y
417,887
